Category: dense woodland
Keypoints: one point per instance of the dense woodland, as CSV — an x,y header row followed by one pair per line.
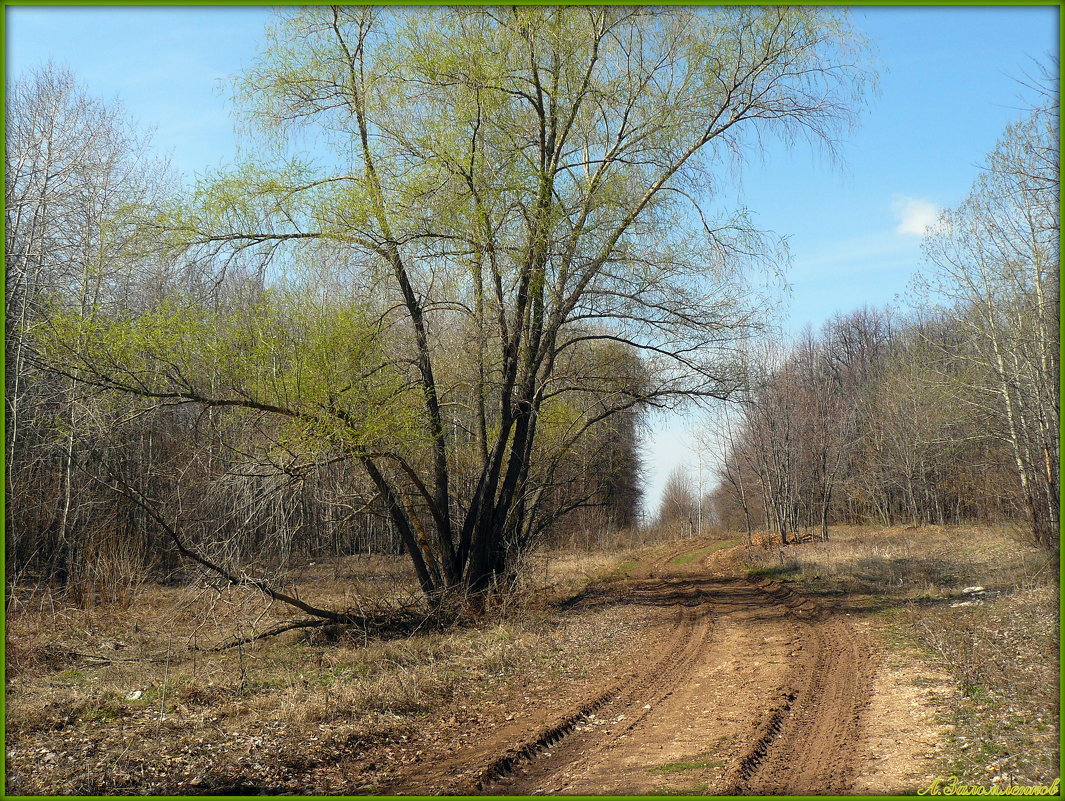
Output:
x,y
945,413
108,486
439,335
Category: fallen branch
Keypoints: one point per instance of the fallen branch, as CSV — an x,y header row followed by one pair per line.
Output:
x,y
110,660
314,623
405,619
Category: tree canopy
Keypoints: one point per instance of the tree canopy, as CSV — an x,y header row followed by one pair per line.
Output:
x,y
509,237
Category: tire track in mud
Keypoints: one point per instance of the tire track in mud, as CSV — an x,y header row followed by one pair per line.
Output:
x,y
805,741
809,743
623,713
486,767
756,687
646,685
577,765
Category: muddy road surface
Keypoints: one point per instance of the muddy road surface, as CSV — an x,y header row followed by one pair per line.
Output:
x,y
741,687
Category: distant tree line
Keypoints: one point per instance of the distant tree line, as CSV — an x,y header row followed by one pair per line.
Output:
x,y
947,414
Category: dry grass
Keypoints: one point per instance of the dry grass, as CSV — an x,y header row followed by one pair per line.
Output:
x,y
999,643
1003,654
117,698
930,563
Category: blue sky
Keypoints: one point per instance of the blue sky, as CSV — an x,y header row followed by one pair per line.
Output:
x,y
948,86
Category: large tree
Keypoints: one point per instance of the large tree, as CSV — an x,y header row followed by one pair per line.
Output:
x,y
521,202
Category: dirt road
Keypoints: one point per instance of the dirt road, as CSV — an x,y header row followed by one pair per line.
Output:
x,y
743,688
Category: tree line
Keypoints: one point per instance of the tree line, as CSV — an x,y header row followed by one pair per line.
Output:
x,y
435,334
942,414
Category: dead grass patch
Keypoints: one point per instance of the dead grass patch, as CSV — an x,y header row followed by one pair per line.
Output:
x,y
114,700
930,563
974,602
1003,654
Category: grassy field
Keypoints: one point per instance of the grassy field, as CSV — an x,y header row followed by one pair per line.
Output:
x,y
139,698
135,698
973,602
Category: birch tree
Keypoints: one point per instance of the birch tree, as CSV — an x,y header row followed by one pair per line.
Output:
x,y
994,273
75,167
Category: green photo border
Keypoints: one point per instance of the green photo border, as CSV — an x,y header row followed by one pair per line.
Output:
x,y
207,3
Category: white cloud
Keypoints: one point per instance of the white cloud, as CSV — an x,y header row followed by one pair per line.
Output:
x,y
915,215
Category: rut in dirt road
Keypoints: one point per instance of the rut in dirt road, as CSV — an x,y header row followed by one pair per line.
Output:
x,y
809,744
804,741
742,688
625,707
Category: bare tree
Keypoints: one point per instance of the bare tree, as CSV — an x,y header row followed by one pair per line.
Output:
x,y
75,170
680,502
994,275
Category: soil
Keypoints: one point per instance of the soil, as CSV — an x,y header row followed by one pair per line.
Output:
x,y
734,687
676,675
